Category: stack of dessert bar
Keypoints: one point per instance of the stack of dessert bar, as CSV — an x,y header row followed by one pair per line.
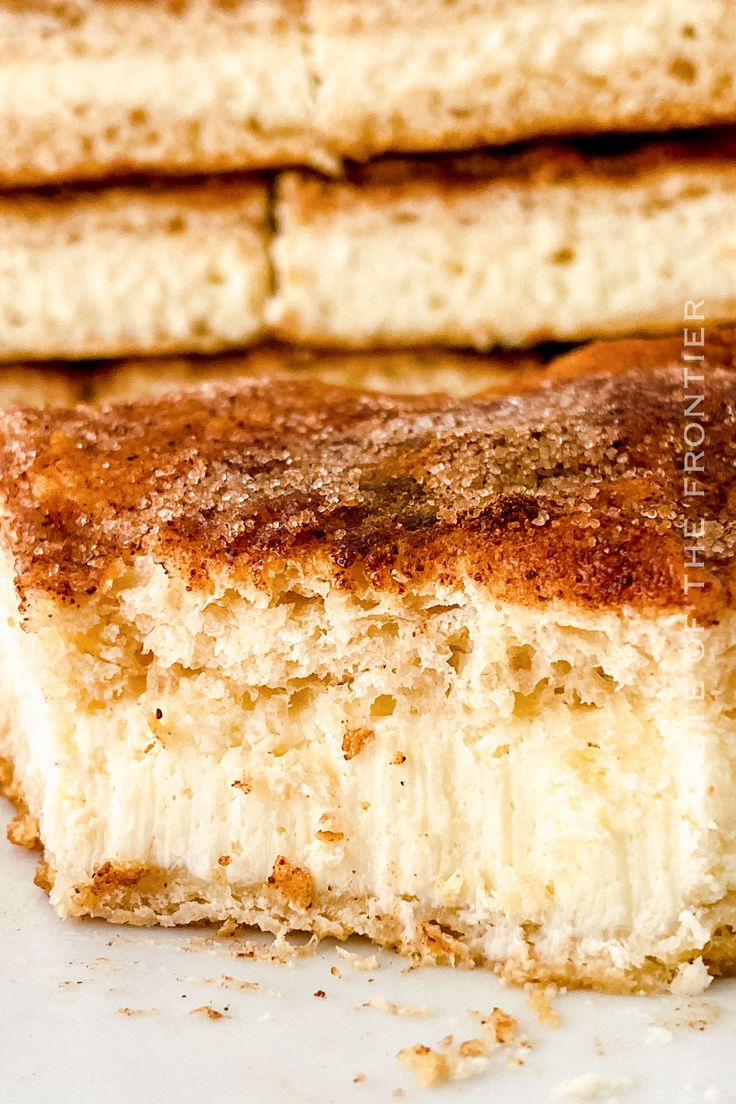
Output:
x,y
336,596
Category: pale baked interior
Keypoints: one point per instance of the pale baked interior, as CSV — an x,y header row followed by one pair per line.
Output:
x,y
89,89
39,385
527,246
431,75
409,372
545,244
149,269
92,89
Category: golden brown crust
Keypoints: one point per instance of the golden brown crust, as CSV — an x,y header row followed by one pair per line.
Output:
x,y
401,370
354,740
167,200
44,876
10,788
293,883
613,161
110,876
574,491
640,354
23,829
147,895
48,384
23,832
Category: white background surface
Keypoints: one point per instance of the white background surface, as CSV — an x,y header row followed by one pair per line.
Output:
x,y
63,1038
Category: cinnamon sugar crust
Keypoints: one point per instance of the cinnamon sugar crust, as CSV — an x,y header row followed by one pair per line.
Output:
x,y
145,895
572,492
75,201
639,354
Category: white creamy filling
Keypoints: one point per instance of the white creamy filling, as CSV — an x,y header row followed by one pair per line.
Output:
x,y
530,835
523,767
26,721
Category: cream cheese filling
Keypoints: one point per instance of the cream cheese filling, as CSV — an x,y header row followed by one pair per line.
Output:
x,y
524,769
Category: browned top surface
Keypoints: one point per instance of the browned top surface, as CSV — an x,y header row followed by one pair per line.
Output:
x,y
162,197
573,491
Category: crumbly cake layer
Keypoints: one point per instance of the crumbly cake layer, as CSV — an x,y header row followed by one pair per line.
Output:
x,y
553,243
414,667
90,89
39,385
107,272
23,829
412,75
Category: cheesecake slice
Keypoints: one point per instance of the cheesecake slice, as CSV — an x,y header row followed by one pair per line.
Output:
x,y
458,674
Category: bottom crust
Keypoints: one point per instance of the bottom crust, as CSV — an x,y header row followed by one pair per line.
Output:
x,y
23,828
146,896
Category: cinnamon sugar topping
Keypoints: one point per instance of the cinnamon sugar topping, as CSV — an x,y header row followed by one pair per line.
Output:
x,y
571,491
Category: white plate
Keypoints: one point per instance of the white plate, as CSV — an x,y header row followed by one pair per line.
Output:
x,y
63,1036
